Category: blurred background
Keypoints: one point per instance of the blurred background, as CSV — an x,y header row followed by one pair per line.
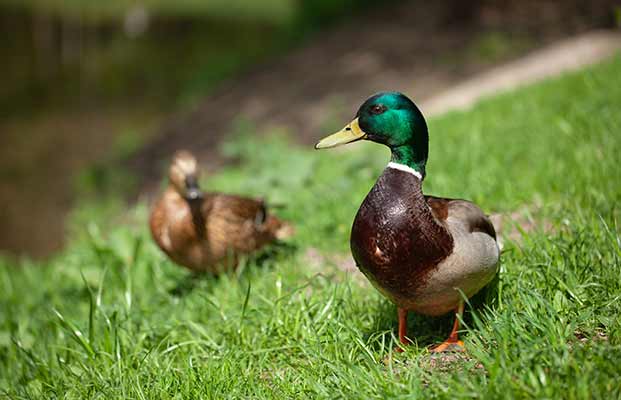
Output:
x,y
96,95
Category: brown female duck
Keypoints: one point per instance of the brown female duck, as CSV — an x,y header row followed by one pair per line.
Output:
x,y
206,232
421,252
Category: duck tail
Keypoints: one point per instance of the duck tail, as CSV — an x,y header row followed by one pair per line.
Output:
x,y
278,228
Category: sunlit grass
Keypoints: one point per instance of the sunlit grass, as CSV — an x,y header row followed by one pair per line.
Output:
x,y
112,318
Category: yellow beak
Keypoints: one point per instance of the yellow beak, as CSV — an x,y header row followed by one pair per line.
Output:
x,y
350,133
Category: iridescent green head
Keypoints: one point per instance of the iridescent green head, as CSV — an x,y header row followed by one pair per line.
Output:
x,y
392,119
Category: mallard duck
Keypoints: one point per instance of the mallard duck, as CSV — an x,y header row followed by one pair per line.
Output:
x,y
206,232
423,253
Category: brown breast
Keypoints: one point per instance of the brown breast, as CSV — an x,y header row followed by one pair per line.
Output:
x,y
395,239
173,229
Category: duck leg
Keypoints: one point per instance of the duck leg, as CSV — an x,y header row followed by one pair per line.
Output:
x,y
403,328
452,343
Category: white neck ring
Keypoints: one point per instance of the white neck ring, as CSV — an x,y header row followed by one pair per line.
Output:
x,y
405,168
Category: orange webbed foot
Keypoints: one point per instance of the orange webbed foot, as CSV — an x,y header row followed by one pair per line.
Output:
x,y
449,346
400,349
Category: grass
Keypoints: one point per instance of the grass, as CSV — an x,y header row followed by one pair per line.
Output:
x,y
110,317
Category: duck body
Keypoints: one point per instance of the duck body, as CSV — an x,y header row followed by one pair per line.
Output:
x,y
421,251
210,236
207,232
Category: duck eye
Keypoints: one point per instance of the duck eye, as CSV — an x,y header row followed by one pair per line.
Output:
x,y
378,109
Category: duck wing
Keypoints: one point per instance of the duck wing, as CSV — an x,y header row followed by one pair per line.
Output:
x,y
236,209
467,212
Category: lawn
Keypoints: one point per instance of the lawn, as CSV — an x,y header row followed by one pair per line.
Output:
x,y
110,317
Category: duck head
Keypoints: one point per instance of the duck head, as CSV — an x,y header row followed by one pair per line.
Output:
x,y
391,119
183,175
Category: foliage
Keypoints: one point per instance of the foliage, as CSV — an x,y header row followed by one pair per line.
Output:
x,y
112,318
83,51
269,10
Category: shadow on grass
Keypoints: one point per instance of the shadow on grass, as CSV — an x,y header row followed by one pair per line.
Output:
x,y
259,260
189,282
423,330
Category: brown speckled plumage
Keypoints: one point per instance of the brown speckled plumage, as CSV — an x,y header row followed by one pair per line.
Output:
x,y
209,233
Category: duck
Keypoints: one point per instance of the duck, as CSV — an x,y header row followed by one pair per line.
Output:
x,y
209,231
426,254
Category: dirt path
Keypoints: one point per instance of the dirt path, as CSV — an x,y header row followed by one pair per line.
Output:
x,y
563,56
